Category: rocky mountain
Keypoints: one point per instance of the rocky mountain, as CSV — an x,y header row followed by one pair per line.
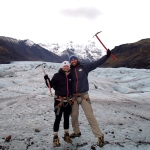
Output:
x,y
132,55
24,50
87,53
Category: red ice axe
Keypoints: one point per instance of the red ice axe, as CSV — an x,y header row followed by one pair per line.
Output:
x,y
104,45
49,86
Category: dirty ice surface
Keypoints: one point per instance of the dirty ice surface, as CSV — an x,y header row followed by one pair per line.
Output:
x,y
120,99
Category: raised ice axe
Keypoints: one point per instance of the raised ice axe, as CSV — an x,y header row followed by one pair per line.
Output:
x,y
49,86
104,45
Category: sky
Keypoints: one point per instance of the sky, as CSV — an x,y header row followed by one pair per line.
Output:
x,y
61,21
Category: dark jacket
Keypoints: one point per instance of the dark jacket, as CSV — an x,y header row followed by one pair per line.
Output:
x,y
61,83
79,75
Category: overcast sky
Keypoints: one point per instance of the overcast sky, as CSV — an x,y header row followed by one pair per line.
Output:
x,y
61,21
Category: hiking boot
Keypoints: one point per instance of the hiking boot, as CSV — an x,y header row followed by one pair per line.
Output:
x,y
56,141
100,141
74,135
67,138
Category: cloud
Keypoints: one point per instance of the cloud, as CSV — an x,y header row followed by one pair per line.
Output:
x,y
82,12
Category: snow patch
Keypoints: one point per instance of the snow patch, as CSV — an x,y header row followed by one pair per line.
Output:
x,y
29,42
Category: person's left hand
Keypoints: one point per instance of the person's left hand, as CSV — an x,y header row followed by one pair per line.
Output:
x,y
108,52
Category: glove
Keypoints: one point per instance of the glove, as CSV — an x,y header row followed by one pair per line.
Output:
x,y
108,53
46,77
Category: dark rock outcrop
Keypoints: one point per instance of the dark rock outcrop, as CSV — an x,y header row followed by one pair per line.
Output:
x,y
19,50
133,55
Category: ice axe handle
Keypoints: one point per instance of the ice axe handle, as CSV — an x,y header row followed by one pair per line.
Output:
x,y
105,47
49,86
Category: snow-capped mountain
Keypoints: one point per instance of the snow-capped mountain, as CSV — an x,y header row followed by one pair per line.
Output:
x,y
131,55
29,42
89,52
14,49
54,47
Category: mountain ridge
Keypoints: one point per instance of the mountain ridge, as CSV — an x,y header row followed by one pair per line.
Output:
x,y
130,55
19,50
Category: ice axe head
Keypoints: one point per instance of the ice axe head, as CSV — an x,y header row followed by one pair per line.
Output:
x,y
40,65
97,33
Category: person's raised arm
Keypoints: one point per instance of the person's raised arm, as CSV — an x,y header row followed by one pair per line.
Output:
x,y
93,65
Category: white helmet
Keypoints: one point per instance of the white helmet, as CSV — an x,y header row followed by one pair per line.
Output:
x,y
65,63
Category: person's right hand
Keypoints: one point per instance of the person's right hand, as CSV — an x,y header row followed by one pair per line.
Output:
x,y
46,77
47,80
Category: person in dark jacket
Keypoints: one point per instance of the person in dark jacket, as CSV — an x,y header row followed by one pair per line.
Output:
x,y
80,88
61,83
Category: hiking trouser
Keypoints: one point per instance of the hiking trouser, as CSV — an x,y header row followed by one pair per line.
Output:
x,y
66,113
86,106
